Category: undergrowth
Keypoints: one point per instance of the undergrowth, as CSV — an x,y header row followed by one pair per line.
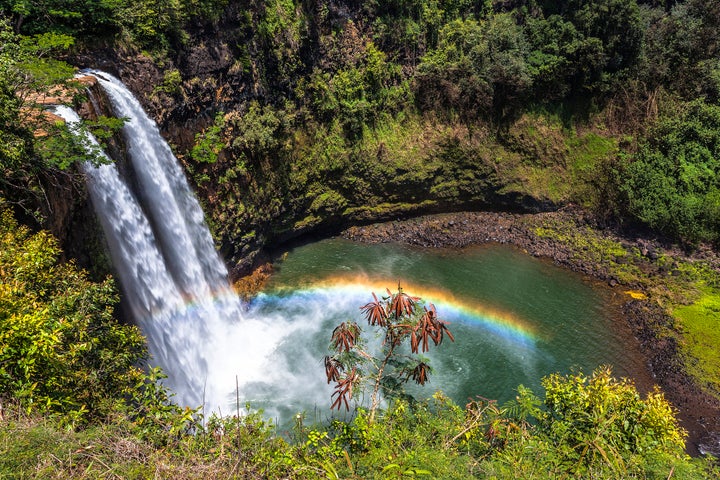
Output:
x,y
579,429
699,323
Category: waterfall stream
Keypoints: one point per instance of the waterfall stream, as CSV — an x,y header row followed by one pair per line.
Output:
x,y
173,210
172,278
176,286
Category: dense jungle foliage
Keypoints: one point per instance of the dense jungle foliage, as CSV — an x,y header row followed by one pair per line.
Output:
x,y
366,110
345,111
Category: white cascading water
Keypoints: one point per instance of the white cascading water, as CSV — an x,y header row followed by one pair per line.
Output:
x,y
156,303
173,210
172,278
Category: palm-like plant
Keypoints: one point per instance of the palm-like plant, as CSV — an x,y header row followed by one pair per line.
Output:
x,y
344,388
375,312
401,303
399,320
430,327
420,373
345,336
333,369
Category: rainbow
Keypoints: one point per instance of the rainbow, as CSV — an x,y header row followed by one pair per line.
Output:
x,y
450,307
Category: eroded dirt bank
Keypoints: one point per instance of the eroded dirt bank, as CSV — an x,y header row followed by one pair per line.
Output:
x,y
699,411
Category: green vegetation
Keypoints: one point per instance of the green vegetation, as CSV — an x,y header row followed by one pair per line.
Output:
x,y
357,111
450,104
700,333
61,16
671,182
63,353
61,350
430,105
586,246
209,143
29,73
584,427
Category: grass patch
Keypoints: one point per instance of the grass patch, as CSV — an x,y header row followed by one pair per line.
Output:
x,y
587,150
544,159
699,322
587,245
540,182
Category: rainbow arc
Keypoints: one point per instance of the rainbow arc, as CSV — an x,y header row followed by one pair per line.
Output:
x,y
450,307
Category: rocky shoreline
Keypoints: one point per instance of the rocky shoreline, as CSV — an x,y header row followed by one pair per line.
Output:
x,y
699,411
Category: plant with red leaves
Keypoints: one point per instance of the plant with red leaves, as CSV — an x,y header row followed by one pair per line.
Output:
x,y
344,389
399,320
429,328
345,336
375,312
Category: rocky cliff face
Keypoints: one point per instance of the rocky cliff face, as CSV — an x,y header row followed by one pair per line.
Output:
x,y
184,88
266,186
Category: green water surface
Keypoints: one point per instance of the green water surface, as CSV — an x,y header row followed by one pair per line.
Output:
x,y
568,323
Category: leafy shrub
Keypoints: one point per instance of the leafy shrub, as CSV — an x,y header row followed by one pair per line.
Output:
x,y
478,67
450,76
593,427
603,420
210,142
61,350
671,183
364,87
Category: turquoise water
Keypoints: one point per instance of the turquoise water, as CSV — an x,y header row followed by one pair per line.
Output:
x,y
515,318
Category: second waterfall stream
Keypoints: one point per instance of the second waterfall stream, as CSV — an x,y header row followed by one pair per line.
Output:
x,y
172,279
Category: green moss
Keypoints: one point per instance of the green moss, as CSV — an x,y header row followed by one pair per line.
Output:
x,y
542,158
307,222
699,322
329,202
539,182
385,210
586,243
588,149
539,139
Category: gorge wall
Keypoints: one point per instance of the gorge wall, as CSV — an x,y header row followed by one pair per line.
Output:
x,y
280,165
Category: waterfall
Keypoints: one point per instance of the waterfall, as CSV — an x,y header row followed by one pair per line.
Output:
x,y
172,278
172,209
177,289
